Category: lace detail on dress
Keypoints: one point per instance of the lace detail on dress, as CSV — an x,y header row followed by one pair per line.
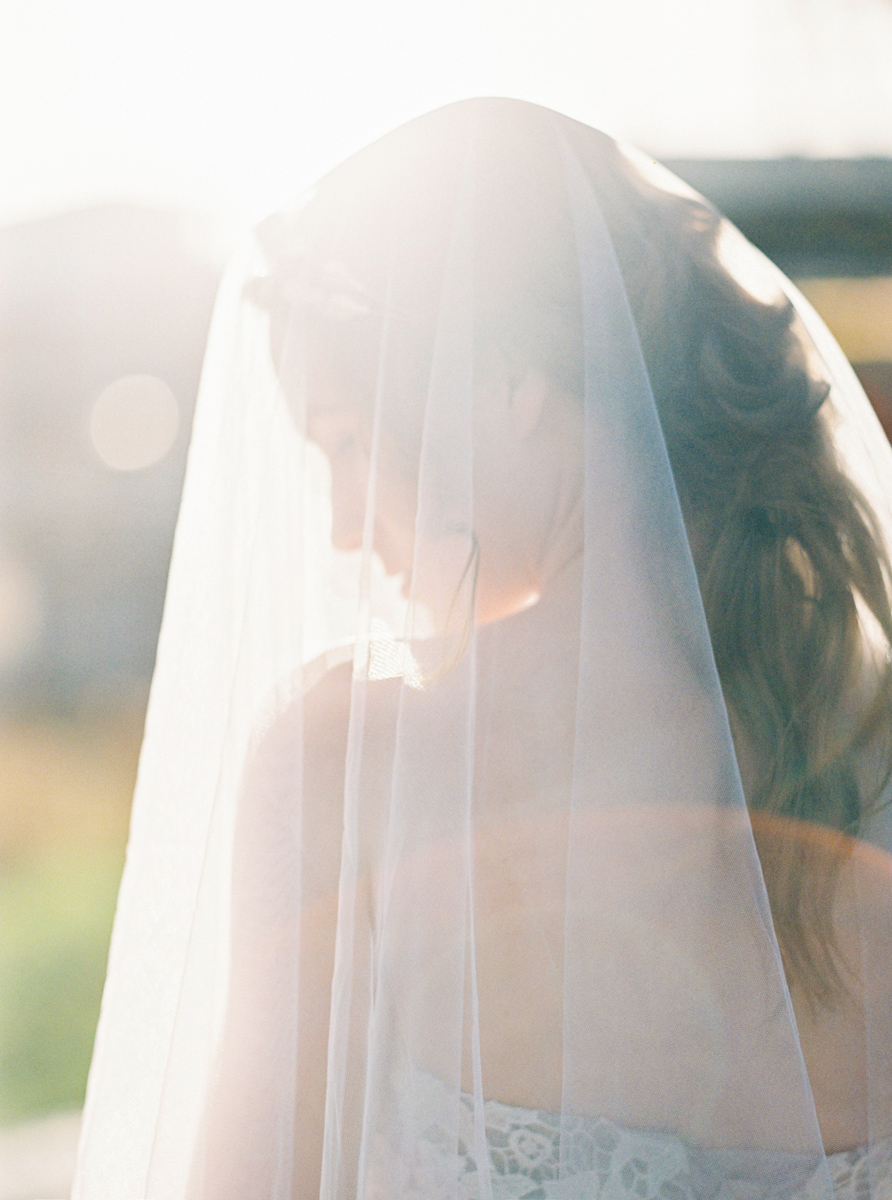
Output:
x,y
864,1173
606,1162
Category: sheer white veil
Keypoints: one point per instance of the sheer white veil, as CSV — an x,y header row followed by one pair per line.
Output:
x,y
439,815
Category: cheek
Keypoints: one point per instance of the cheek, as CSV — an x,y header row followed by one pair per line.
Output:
x,y
349,482
395,506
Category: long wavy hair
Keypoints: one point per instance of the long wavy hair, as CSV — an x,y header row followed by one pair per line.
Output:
x,y
788,552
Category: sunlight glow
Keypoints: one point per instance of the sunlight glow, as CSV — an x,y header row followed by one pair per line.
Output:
x,y
236,108
752,270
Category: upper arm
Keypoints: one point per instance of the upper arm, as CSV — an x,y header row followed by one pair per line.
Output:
x,y
284,905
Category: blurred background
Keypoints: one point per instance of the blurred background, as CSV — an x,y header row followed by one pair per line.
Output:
x,y
138,142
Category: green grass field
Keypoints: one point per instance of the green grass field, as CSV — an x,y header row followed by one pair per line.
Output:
x,y
64,804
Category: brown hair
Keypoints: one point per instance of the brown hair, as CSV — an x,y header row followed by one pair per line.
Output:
x,y
786,550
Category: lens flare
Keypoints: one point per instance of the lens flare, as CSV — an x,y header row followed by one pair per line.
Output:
x,y
134,422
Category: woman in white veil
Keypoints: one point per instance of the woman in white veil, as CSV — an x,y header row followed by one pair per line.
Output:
x,y
511,819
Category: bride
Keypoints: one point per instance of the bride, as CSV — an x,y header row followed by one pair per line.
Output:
x,y
512,816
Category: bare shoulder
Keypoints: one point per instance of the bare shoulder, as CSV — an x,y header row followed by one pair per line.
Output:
x,y
341,717
315,724
298,770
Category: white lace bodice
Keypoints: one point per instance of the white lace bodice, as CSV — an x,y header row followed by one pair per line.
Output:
x,y
606,1162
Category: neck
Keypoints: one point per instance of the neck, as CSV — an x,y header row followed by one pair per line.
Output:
x,y
562,551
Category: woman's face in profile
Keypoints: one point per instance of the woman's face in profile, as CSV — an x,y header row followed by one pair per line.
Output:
x,y
526,447
340,422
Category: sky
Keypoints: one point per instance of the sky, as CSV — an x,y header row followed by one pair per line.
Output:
x,y
234,106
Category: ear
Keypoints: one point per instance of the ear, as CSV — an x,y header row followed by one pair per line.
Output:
x,y
529,394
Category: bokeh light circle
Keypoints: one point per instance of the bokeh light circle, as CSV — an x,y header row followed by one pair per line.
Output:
x,y
134,422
